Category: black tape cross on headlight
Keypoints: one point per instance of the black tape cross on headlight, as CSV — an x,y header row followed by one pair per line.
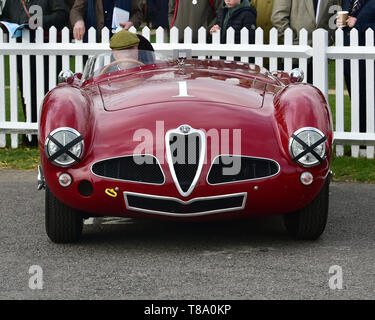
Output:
x,y
308,149
64,149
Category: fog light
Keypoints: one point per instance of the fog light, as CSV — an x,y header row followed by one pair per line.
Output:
x,y
306,178
65,180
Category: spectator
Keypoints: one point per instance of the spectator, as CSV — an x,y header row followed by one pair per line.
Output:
x,y
193,14
264,13
98,14
54,14
237,14
158,9
361,17
299,14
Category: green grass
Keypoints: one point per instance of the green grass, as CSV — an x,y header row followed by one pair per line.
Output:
x,y
22,158
331,74
347,112
347,169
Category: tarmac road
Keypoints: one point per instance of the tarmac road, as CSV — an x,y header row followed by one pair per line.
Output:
x,y
139,259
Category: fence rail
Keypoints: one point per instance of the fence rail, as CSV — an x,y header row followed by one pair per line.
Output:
x,y
288,53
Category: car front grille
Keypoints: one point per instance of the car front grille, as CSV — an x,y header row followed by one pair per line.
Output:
x,y
227,169
174,206
135,168
185,150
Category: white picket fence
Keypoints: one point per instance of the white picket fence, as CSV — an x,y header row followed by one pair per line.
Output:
x,y
319,51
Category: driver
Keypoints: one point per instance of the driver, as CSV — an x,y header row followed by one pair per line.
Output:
x,y
124,45
127,45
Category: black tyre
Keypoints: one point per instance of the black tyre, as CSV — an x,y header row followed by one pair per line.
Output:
x,y
309,222
63,224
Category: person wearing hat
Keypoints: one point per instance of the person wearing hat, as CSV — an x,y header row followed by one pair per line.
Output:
x,y
129,50
124,45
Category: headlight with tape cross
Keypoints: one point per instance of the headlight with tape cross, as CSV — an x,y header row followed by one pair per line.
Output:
x,y
64,147
307,146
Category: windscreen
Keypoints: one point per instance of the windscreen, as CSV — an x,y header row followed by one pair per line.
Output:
x,y
120,60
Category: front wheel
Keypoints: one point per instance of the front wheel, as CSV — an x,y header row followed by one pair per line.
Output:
x,y
309,222
63,224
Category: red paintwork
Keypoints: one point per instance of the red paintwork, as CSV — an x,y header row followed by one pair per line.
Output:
x,y
265,108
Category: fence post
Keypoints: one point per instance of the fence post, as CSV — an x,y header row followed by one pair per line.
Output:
x,y
354,86
52,60
13,83
288,40
230,40
202,39
188,35
39,38
160,35
303,41
174,35
320,61
146,32
340,94
259,39
370,96
26,78
274,41
2,92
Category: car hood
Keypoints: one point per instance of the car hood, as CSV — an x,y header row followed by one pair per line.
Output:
x,y
158,86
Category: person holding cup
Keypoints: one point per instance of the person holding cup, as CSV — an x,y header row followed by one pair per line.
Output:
x,y
355,7
360,15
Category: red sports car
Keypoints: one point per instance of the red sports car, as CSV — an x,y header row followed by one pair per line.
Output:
x,y
183,139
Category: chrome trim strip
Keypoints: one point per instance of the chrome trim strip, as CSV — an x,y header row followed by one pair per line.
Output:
x,y
196,214
131,181
41,179
170,160
239,181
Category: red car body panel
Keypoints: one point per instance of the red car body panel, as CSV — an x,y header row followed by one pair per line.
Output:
x,y
109,110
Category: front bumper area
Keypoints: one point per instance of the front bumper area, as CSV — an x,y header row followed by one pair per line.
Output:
x,y
275,195
175,207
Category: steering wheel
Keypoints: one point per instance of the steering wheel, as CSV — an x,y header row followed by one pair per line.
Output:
x,y
104,70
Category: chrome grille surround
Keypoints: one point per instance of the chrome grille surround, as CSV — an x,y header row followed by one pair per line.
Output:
x,y
178,201
185,130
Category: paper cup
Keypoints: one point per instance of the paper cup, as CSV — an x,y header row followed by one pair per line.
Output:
x,y
343,16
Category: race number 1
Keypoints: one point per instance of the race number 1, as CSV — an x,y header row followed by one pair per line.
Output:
x,y
183,90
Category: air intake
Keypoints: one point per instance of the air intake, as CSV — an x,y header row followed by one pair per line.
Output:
x,y
227,169
137,168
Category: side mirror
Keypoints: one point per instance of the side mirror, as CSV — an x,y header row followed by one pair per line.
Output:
x,y
296,75
66,76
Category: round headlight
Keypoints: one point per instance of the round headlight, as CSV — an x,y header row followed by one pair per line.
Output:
x,y
64,147
307,146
